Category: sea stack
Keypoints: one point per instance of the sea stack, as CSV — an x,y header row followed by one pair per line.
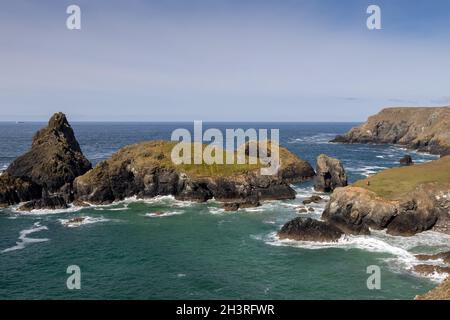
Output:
x,y
330,174
44,174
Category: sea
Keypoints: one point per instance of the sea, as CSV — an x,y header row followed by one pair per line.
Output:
x,y
198,251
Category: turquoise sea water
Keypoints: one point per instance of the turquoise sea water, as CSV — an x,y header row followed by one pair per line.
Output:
x,y
198,251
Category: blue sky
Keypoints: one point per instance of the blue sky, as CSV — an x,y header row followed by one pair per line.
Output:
x,y
221,60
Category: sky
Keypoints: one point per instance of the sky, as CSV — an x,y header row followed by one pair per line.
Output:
x,y
221,60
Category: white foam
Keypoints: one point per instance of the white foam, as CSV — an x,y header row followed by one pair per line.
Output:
x,y
216,210
39,212
366,170
112,209
24,240
402,260
164,214
321,138
254,209
86,220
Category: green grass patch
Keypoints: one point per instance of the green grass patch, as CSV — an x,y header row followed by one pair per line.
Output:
x,y
397,182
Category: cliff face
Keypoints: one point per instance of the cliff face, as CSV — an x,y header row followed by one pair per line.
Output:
x,y
404,201
145,170
425,129
354,210
47,170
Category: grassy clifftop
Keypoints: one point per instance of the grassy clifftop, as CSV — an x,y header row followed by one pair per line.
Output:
x,y
398,182
158,154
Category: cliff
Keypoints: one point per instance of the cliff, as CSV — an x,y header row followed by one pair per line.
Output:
x,y
146,170
405,200
424,129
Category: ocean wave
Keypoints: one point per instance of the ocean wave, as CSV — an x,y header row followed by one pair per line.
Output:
x,y
321,138
216,210
86,220
253,209
24,240
400,248
366,170
125,207
163,214
39,212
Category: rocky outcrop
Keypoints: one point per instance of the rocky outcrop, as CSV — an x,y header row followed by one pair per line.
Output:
x,y
442,292
354,210
145,170
15,190
310,230
49,203
330,174
312,199
55,158
49,167
424,129
406,160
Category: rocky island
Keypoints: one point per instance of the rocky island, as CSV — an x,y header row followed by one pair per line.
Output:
x,y
145,170
55,173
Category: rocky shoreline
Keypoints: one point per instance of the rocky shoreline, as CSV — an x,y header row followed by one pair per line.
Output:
x,y
55,173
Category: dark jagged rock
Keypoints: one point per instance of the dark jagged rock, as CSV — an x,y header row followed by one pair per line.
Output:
x,y
312,199
425,129
51,165
442,292
406,160
145,170
15,190
330,174
50,203
234,206
445,256
55,158
309,230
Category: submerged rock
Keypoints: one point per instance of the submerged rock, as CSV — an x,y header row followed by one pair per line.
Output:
x,y
308,229
442,292
445,256
330,174
312,199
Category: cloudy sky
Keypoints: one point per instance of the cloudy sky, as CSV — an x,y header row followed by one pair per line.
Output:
x,y
221,60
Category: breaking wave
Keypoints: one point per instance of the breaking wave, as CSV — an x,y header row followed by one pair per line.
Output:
x,y
24,240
